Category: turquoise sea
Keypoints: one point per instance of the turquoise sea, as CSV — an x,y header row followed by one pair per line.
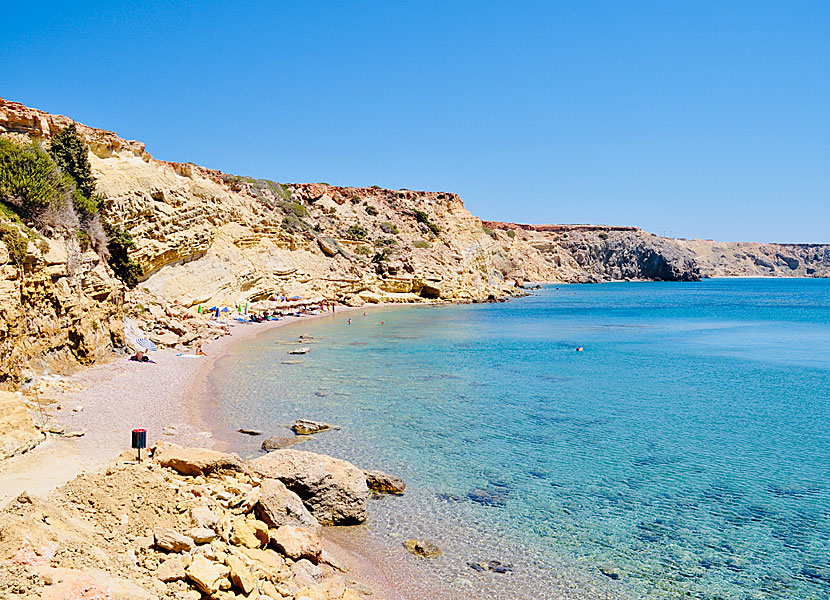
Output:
x,y
685,453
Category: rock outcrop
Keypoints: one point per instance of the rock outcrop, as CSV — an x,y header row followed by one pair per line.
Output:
x,y
17,431
333,490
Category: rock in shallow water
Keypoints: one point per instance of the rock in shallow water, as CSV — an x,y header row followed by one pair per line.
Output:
x,y
496,497
276,442
384,483
493,565
422,548
308,427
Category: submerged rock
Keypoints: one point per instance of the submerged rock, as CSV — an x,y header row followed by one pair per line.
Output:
x,y
333,490
253,432
276,442
308,427
384,483
422,548
611,572
493,565
496,497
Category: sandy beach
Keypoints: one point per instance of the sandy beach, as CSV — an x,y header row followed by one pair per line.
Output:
x,y
169,398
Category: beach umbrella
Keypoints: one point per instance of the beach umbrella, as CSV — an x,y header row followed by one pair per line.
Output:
x,y
296,298
225,309
145,343
213,308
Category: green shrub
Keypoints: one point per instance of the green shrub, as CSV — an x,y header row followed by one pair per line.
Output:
x,y
603,236
83,240
293,207
389,228
421,244
375,187
511,234
30,180
119,243
15,242
70,154
355,199
357,232
489,232
371,210
363,250
381,242
292,222
422,217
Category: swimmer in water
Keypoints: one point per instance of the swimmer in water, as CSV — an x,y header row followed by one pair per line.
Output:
x,y
349,321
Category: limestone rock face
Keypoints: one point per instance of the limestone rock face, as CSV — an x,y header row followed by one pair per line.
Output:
x,y
333,490
59,308
195,461
17,431
280,506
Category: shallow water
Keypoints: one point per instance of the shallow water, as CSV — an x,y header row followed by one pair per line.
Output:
x,y
685,452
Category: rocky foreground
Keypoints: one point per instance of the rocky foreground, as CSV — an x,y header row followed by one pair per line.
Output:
x,y
188,524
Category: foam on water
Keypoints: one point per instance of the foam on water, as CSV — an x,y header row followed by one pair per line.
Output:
x,y
685,452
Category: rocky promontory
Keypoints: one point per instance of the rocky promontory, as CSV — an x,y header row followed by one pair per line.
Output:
x,y
191,523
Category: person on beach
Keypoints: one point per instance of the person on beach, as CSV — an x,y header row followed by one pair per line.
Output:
x,y
140,357
199,351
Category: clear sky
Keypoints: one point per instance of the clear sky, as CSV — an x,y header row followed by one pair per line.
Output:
x,y
690,118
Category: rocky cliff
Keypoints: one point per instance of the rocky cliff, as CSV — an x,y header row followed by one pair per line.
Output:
x,y
204,237
594,253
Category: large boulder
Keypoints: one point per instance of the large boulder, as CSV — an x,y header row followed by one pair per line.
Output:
x,y
333,490
280,506
171,540
195,461
309,427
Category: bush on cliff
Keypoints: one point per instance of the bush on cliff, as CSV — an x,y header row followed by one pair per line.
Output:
x,y
70,154
119,243
30,181
15,242
357,232
389,228
422,217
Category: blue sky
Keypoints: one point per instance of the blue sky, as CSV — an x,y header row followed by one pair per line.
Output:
x,y
695,119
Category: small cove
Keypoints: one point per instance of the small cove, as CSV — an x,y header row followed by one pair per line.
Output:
x,y
685,452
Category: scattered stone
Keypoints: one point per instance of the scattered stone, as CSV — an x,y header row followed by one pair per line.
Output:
x,y
331,587
384,483
303,350
171,540
297,543
74,434
308,427
202,535
422,548
306,573
249,502
244,533
241,575
280,506
170,430
252,432
327,559
208,576
195,461
171,569
493,565
56,428
202,516
333,490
